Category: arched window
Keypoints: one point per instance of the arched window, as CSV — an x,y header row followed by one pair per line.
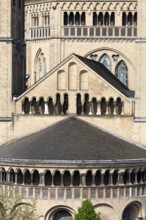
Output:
x,y
139,176
111,106
112,19
94,18
126,177
3,173
46,20
83,80
76,178
132,211
94,106
79,104
106,178
83,18
144,176
89,178
130,19
86,106
61,80
62,215
119,106
100,19
51,106
124,19
39,65
58,106
48,178
98,178
77,19
121,72
71,19
34,106
41,105
12,176
26,106
65,104
72,76
66,178
19,177
36,177
115,177
57,178
132,176
105,60
103,106
27,177
106,19
65,18
135,19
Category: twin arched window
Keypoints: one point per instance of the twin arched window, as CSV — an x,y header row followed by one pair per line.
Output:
x,y
121,70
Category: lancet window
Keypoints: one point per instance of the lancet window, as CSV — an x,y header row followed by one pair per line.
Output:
x,y
121,72
105,60
39,65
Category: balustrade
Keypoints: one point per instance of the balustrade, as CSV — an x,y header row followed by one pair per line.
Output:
x,y
56,193
40,32
97,32
86,32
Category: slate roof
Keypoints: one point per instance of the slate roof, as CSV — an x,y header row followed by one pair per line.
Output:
x,y
71,139
101,70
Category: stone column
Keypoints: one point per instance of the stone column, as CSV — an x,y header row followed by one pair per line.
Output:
x,y
42,182
90,108
120,177
30,112
23,108
122,113
115,108
16,178
107,108
46,108
8,177
98,109
83,179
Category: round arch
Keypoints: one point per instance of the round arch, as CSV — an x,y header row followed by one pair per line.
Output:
x,y
60,212
106,211
133,211
112,50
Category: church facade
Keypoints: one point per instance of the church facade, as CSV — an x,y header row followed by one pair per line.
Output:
x,y
80,63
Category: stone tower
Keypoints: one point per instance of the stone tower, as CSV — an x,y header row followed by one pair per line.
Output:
x,y
12,54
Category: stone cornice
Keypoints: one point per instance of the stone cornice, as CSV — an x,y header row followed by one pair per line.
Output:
x,y
73,163
27,2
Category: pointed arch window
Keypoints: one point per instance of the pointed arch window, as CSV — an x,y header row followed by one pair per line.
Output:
x,y
105,60
122,72
39,65
40,68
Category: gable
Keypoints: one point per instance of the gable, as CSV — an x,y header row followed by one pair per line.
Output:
x,y
73,77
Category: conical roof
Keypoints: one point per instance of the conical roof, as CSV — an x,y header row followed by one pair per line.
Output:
x,y
71,139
